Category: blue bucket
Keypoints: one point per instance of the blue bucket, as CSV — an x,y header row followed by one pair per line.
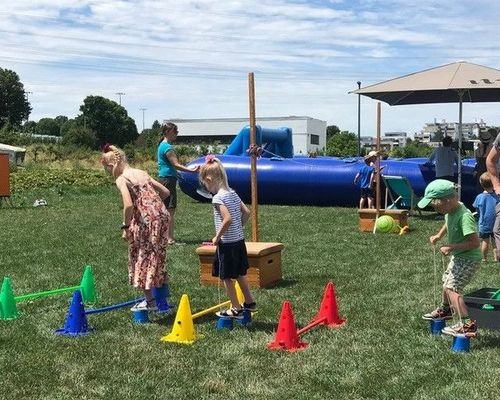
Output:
x,y
460,344
436,325
224,323
247,318
140,316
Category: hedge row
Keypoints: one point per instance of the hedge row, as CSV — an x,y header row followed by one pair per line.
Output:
x,y
26,179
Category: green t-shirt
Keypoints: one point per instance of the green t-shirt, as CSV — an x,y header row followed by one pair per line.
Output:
x,y
460,224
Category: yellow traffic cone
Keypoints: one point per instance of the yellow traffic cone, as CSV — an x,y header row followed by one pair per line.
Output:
x,y
183,329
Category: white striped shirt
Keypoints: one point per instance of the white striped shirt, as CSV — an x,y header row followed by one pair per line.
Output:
x,y
233,203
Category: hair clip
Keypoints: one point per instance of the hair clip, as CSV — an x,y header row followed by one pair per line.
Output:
x,y
106,147
210,158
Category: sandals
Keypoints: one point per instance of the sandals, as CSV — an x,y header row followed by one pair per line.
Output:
x,y
233,312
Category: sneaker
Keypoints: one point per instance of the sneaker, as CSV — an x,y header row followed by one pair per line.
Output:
x,y
467,329
144,306
233,312
250,306
438,313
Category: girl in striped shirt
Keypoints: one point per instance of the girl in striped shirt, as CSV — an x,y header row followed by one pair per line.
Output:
x,y
230,214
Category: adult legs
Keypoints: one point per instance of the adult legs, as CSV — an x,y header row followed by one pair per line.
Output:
x,y
170,227
496,227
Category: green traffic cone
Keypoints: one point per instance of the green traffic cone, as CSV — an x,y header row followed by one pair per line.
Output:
x,y
8,307
88,286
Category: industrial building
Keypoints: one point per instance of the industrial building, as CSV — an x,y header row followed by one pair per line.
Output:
x,y
308,134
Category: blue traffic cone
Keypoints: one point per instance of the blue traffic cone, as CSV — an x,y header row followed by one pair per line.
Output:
x,y
161,295
76,320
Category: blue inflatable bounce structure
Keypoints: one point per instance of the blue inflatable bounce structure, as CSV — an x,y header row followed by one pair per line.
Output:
x,y
323,181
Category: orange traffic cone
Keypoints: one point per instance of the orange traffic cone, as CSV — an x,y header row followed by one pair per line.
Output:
x,y
286,334
328,309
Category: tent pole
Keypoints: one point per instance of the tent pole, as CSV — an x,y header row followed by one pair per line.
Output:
x,y
377,169
459,167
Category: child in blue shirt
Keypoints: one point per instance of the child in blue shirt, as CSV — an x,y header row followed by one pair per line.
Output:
x,y
485,204
365,179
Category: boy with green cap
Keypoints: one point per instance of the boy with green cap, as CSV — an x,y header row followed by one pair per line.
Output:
x,y
464,248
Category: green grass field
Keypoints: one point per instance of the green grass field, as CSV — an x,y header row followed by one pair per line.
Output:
x,y
383,284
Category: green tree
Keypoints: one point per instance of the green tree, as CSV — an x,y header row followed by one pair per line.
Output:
x,y
29,127
411,150
14,106
48,126
8,135
343,144
79,136
331,130
108,120
438,135
61,120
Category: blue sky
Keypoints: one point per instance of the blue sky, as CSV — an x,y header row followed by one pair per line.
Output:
x,y
190,59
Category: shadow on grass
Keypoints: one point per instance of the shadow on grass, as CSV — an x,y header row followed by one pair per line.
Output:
x,y
283,284
487,340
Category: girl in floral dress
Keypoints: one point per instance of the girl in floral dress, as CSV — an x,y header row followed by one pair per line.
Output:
x,y
145,224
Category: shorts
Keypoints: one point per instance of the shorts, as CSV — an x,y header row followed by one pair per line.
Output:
x,y
459,273
366,192
230,261
486,235
170,183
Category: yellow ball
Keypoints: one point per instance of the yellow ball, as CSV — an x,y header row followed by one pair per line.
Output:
x,y
385,224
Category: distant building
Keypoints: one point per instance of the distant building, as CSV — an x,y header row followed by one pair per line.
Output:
x,y
388,141
470,130
309,134
16,154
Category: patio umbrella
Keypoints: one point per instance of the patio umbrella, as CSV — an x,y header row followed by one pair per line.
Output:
x,y
451,83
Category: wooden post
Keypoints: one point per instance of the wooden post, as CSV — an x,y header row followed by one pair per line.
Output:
x,y
253,157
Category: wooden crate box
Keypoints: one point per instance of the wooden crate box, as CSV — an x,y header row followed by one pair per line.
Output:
x,y
367,218
264,261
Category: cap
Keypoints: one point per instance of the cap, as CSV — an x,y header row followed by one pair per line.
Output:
x,y
436,190
486,136
371,154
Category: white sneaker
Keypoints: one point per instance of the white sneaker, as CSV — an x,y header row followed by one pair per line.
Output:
x,y
143,306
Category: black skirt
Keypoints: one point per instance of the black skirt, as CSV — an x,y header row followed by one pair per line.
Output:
x,y
230,261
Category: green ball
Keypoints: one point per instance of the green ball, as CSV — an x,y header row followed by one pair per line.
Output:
x,y
385,224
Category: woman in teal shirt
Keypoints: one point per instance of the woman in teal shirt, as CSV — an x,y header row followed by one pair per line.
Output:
x,y
168,165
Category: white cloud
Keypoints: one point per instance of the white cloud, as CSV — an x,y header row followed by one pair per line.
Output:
x,y
191,59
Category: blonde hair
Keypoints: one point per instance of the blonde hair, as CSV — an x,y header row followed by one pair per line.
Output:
x,y
485,181
114,156
213,169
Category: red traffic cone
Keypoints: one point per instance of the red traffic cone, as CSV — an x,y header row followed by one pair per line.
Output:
x,y
286,334
328,310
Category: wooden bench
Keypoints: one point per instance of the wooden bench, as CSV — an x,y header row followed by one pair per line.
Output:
x,y
264,261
